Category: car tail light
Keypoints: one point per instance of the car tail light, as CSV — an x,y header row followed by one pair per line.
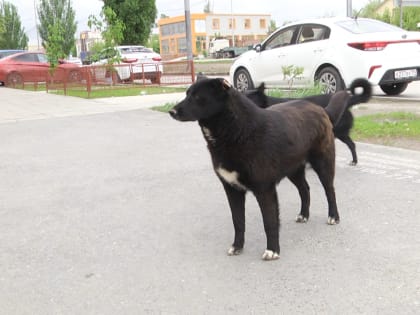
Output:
x,y
157,59
380,45
129,60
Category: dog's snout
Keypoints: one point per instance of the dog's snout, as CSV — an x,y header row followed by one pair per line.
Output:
x,y
173,113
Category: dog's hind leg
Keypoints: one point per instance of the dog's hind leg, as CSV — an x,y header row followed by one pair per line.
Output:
x,y
299,180
269,205
324,166
351,145
236,199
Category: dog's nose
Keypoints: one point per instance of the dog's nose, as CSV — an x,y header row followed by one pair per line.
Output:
x,y
172,112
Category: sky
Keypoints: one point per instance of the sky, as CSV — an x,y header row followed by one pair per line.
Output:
x,y
280,10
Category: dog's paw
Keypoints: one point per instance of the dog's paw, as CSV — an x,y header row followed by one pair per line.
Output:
x,y
332,221
353,163
270,255
233,251
301,219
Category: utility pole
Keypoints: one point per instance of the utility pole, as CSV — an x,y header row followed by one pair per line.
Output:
x,y
349,8
188,29
189,38
401,12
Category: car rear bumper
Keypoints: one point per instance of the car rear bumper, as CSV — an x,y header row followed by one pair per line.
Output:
x,y
406,75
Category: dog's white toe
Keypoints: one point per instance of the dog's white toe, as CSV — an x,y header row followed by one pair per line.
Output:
x,y
301,219
232,251
270,255
331,221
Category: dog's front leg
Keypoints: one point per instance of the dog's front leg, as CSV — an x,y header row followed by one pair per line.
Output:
x,y
236,200
269,206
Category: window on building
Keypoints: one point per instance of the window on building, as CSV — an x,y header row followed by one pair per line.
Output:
x,y
182,45
232,24
263,23
247,23
216,24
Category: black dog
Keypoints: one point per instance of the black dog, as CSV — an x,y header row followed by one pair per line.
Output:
x,y
254,148
343,126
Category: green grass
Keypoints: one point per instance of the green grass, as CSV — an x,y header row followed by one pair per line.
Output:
x,y
164,108
296,93
389,125
119,91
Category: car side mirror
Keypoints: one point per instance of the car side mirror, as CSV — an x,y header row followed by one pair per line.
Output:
x,y
258,48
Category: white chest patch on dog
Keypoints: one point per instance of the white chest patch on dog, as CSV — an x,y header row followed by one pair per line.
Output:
x,y
230,177
207,134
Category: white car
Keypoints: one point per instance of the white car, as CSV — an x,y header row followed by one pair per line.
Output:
x,y
136,62
333,51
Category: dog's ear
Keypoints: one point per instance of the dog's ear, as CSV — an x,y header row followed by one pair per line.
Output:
x,y
224,84
261,88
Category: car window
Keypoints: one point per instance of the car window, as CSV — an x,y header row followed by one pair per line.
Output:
x,y
26,58
360,26
313,32
282,38
42,58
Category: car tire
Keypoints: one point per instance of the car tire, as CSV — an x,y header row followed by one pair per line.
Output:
x,y
331,79
242,80
14,79
394,88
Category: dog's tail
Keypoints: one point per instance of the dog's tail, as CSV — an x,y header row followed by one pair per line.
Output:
x,y
360,97
337,105
342,100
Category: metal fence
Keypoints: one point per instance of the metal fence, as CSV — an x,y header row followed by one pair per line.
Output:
x,y
121,76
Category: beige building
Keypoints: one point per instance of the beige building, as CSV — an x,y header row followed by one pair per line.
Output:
x,y
240,29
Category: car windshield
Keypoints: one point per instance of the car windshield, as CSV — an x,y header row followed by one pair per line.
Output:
x,y
361,26
134,49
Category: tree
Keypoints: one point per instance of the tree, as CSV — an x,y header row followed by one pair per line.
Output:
x,y
57,23
137,15
12,34
111,29
410,18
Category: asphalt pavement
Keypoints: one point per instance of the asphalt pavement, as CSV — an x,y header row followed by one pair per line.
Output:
x,y
108,207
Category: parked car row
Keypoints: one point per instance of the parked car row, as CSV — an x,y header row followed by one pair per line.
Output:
x,y
131,62
334,52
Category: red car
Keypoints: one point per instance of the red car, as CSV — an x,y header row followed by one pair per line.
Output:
x,y
34,67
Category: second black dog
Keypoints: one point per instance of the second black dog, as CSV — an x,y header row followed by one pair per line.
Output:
x,y
343,127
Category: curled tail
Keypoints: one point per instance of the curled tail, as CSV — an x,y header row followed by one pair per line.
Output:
x,y
362,97
342,100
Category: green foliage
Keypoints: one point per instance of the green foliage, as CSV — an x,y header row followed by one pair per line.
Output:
x,y
54,45
153,43
138,17
410,18
57,16
12,34
111,28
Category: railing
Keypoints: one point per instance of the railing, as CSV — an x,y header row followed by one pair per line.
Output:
x,y
91,77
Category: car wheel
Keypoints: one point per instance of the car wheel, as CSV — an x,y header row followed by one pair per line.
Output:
x,y
394,89
14,80
242,81
331,80
75,76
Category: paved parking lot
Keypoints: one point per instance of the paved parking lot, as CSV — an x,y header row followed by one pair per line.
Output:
x,y
112,208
